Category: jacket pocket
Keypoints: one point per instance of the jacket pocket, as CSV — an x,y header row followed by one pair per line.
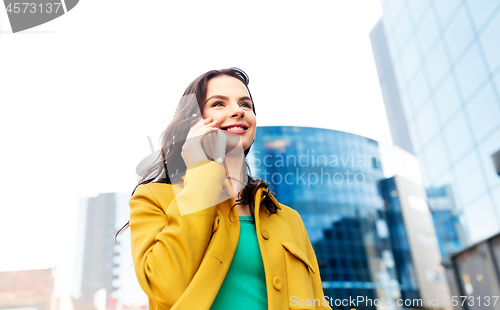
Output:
x,y
298,278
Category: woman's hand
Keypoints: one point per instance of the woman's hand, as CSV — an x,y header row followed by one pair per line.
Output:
x,y
192,150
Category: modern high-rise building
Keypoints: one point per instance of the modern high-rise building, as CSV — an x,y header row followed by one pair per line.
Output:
x,y
439,69
103,268
340,183
95,246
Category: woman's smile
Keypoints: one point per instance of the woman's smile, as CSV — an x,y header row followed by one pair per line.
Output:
x,y
238,129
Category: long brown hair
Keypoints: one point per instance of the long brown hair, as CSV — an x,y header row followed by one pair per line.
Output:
x,y
172,140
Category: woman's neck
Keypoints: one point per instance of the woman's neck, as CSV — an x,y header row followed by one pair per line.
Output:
x,y
235,165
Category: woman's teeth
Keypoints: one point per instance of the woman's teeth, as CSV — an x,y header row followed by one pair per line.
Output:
x,y
235,128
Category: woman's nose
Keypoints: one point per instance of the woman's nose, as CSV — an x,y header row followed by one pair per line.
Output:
x,y
237,112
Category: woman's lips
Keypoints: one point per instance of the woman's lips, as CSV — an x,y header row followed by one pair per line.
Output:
x,y
236,131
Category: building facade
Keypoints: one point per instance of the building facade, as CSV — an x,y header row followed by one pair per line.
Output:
x,y
335,181
104,272
439,70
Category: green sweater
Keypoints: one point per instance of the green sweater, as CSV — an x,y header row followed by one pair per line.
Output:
x,y
244,286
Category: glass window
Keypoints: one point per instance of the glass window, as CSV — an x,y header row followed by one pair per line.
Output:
x,y
426,120
484,112
407,104
426,175
410,59
394,9
486,148
417,8
497,81
428,30
489,38
437,64
436,158
470,177
481,10
458,136
450,179
458,34
445,9
482,221
470,72
416,142
446,99
402,30
496,197
418,90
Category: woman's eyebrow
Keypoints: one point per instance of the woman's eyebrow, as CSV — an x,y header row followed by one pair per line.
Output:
x,y
226,98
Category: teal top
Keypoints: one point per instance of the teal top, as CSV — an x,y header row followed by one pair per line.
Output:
x,y
244,286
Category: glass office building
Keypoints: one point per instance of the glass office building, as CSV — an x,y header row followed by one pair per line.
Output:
x,y
333,179
439,70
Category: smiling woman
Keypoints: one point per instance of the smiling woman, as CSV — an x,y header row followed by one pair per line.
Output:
x,y
191,248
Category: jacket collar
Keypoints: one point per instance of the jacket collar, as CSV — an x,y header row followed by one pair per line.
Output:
x,y
259,196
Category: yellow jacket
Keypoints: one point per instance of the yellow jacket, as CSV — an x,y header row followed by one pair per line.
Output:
x,y
181,261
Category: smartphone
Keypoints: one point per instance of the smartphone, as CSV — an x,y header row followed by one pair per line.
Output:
x,y
215,145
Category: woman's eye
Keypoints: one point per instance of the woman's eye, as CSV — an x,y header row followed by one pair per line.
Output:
x,y
247,104
215,104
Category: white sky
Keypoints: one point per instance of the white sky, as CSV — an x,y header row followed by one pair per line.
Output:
x,y
80,94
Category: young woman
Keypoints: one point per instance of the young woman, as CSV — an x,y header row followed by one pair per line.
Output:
x,y
192,249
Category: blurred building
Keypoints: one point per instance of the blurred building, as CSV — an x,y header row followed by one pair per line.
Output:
x,y
104,276
414,242
356,199
439,69
30,289
475,272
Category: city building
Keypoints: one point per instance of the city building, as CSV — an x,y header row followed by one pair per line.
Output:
x,y
439,70
475,272
339,183
30,289
414,242
104,276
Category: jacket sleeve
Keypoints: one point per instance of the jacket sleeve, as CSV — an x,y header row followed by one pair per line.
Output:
x,y
316,278
167,248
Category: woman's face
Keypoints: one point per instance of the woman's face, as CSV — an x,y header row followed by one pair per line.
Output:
x,y
228,102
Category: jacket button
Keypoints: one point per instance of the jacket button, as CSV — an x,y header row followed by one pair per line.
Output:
x,y
277,283
264,233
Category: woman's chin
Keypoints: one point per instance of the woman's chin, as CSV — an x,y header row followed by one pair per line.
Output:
x,y
234,141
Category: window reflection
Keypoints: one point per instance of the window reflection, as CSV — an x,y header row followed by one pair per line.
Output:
x,y
489,146
410,59
419,91
402,29
458,137
481,11
427,122
436,157
445,9
459,34
447,99
484,112
490,41
470,177
437,64
417,8
470,72
482,219
428,30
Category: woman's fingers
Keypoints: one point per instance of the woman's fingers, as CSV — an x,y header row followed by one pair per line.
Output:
x,y
192,149
202,128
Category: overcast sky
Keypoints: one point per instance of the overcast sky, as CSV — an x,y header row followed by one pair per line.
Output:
x,y
80,94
